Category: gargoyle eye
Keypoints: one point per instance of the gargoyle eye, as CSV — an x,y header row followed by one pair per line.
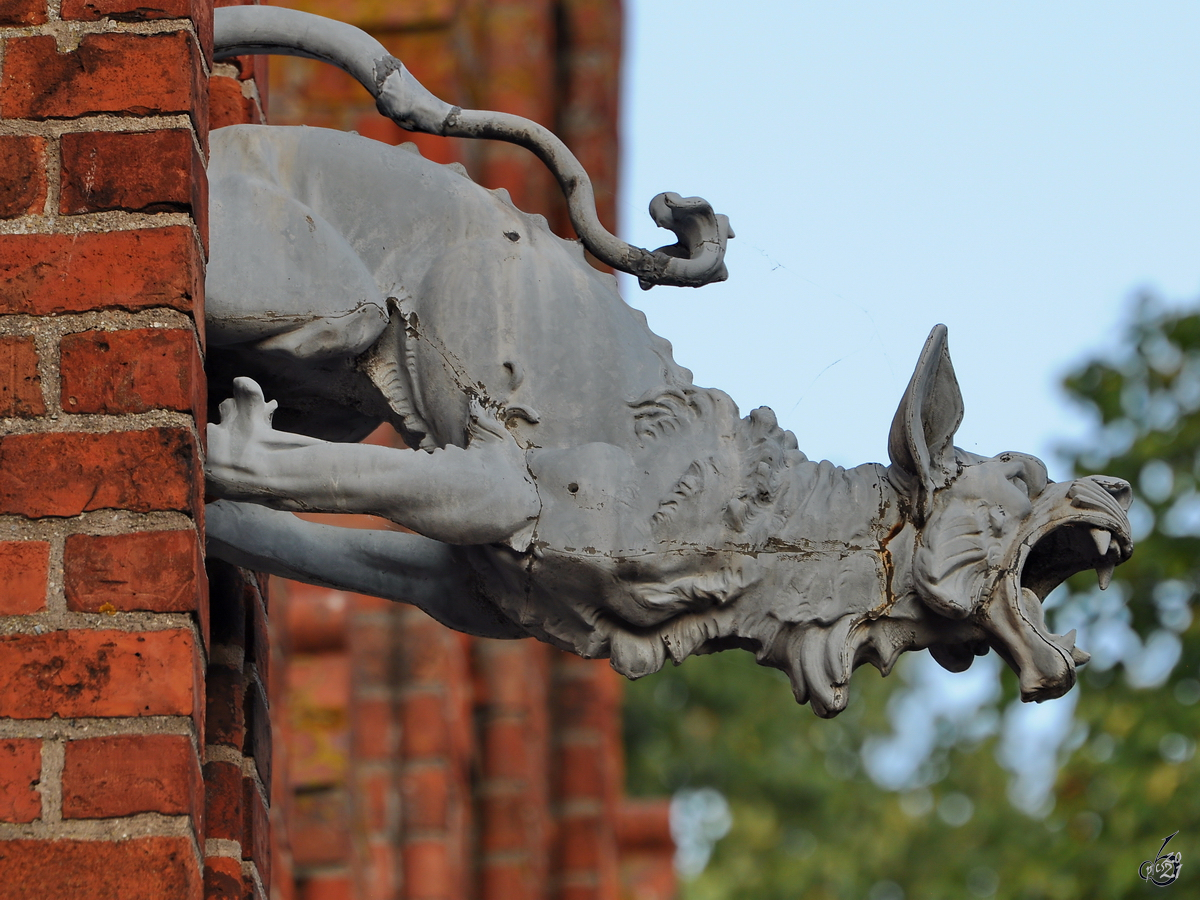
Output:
x,y
692,481
689,485
1028,472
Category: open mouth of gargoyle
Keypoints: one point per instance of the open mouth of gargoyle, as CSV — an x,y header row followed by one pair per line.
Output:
x,y
1086,528
1071,548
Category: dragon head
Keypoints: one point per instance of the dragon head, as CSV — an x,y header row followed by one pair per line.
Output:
x,y
996,536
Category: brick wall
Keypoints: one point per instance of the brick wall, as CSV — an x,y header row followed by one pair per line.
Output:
x,y
134,742
237,741
245,856
426,764
103,596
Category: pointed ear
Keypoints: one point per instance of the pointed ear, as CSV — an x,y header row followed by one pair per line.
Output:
x,y
921,443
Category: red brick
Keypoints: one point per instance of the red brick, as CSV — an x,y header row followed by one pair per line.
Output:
x,y
644,823
198,11
315,618
130,774
256,841
158,571
23,162
128,10
223,879
261,75
508,748
509,667
146,75
283,873
582,771
327,886
317,699
98,673
591,889
361,605
428,653
648,875
371,649
253,882
20,384
427,870
259,70
223,816
20,772
504,878
385,16
374,795
258,641
320,824
25,565
245,64
22,12
373,733
227,104
258,730
590,108
66,474
115,870
504,820
255,65
225,717
586,702
45,274
581,843
378,871
425,796
423,728
138,171
132,371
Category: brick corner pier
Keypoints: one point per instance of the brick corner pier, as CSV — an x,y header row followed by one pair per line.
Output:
x,y
134,750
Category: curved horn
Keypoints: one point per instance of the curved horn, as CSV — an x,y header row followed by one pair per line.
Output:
x,y
695,260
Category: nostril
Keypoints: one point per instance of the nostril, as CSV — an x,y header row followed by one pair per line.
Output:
x,y
1119,488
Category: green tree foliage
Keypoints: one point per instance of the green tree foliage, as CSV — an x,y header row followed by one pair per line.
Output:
x,y
808,822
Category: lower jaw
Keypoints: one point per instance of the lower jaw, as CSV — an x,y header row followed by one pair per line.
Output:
x,y
1045,663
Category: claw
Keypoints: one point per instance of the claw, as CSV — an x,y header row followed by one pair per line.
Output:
x,y
225,412
247,397
822,693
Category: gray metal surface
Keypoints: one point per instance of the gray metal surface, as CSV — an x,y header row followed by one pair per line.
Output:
x,y
571,482
695,259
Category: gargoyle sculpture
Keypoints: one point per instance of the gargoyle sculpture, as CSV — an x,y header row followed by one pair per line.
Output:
x,y
571,483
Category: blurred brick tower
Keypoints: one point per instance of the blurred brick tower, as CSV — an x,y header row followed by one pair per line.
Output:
x,y
411,761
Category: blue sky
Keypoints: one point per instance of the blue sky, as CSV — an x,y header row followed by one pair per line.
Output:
x,y
1014,170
